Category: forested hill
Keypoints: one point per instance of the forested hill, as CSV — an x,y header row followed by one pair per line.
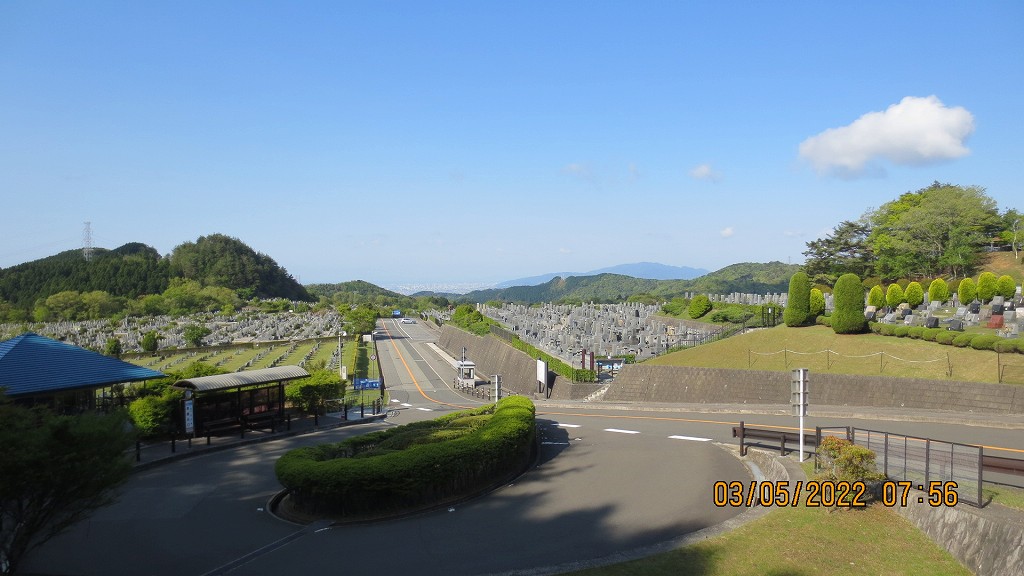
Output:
x,y
136,269
751,278
130,271
219,260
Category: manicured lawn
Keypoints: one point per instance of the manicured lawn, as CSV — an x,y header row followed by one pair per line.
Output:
x,y
799,541
784,348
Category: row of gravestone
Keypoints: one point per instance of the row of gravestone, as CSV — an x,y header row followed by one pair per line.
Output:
x,y
603,329
244,326
1000,314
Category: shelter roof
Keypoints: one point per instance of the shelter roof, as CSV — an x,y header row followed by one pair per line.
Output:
x,y
31,364
236,379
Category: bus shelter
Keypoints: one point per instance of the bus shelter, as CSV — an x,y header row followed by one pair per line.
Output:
x,y
249,398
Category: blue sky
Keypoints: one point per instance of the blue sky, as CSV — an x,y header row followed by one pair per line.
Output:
x,y
465,142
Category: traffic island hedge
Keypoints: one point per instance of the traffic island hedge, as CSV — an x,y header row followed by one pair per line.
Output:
x,y
412,467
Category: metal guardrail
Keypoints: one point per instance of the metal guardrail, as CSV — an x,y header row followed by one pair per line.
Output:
x,y
745,433
924,460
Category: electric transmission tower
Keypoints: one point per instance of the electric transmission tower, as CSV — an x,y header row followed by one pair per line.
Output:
x,y
87,242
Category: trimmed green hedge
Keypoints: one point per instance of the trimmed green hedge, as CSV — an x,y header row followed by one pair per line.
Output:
x,y
412,467
963,340
945,337
556,365
985,341
929,334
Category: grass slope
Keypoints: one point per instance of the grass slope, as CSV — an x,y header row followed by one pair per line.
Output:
x,y
784,348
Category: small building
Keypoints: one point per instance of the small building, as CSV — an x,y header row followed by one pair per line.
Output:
x,y
465,373
39,370
240,397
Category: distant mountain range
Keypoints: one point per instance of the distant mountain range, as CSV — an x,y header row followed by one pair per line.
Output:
x,y
747,277
645,270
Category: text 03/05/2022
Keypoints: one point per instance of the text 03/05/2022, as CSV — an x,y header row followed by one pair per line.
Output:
x,y
831,493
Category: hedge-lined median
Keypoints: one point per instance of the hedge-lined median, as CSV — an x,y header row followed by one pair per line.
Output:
x,y
412,467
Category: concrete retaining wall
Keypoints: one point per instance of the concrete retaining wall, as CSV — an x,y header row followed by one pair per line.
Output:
x,y
989,541
518,371
649,383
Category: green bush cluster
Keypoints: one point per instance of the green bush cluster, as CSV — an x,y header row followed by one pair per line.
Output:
x,y
554,364
915,332
412,467
929,334
901,331
699,306
963,340
840,459
945,337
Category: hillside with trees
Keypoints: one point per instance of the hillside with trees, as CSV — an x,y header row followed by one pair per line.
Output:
x,y
751,278
942,230
209,274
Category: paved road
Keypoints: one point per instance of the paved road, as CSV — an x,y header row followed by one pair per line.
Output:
x,y
608,481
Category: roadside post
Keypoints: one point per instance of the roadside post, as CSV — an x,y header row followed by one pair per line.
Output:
x,y
798,400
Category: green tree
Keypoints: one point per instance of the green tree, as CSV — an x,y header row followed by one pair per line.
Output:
x,y
914,294
798,303
967,291
56,470
936,229
876,297
361,320
194,335
817,303
310,393
987,286
1006,287
699,306
848,316
938,290
893,295
113,347
846,249
150,341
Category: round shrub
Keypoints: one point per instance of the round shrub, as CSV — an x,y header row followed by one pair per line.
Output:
x,y
823,321
1006,287
987,286
876,297
816,303
963,340
848,317
699,306
945,337
938,290
894,295
886,329
875,327
967,291
901,331
798,306
985,341
914,294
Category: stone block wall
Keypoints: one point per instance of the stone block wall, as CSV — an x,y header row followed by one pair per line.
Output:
x,y
648,383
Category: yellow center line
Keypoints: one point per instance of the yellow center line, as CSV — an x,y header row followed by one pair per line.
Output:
x,y
409,371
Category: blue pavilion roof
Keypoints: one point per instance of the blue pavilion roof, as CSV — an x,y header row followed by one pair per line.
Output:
x,y
31,364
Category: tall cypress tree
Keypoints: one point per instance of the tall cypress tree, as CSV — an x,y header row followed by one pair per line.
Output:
x,y
798,305
848,316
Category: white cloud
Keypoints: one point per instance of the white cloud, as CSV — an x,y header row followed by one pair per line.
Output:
x,y
727,232
916,131
577,169
704,172
564,251
792,234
